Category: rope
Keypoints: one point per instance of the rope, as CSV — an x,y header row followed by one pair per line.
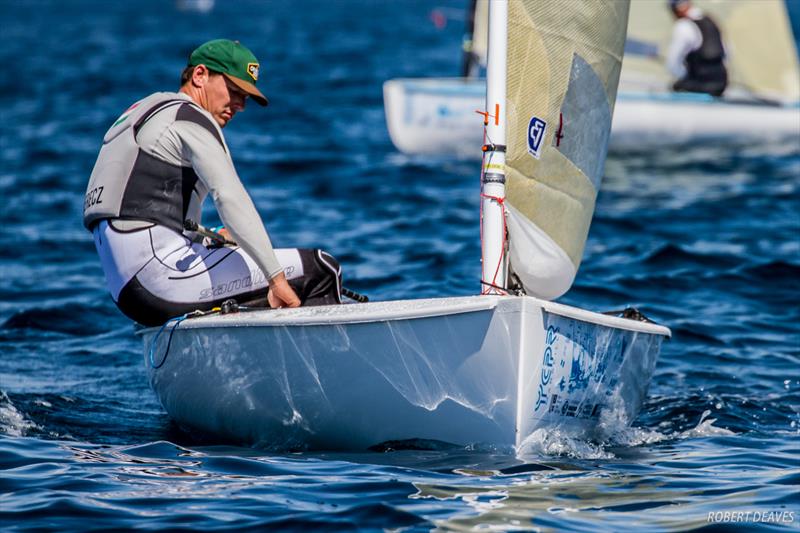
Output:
x,y
493,283
498,287
227,307
177,321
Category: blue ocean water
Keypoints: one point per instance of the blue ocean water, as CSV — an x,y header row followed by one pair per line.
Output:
x,y
706,241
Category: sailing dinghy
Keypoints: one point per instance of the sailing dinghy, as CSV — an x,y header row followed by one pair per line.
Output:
x,y
490,368
435,116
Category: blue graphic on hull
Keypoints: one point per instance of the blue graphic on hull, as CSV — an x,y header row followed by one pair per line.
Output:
x,y
547,367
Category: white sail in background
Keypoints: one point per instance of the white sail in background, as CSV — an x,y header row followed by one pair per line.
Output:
x,y
475,45
562,81
480,31
762,56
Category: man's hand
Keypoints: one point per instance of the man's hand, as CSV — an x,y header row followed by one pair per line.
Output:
x,y
281,294
223,232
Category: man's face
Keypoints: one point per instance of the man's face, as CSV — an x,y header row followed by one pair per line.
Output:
x,y
681,10
223,98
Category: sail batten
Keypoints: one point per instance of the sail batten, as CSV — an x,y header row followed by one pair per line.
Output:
x,y
564,61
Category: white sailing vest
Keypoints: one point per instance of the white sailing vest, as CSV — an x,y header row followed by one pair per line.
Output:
x,y
128,183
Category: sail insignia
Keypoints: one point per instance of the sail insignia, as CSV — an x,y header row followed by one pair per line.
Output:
x,y
536,132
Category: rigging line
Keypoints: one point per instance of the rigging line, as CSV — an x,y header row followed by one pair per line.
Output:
x,y
500,201
504,291
177,321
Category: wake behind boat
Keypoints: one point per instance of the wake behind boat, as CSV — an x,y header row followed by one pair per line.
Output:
x,y
436,116
491,368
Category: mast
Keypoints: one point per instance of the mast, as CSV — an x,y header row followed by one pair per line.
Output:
x,y
493,178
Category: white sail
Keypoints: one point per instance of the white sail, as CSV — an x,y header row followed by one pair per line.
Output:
x,y
762,56
562,78
480,31
475,45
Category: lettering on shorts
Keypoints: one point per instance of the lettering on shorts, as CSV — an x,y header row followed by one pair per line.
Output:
x,y
233,287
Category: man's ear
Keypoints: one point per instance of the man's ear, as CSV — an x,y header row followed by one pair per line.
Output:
x,y
200,75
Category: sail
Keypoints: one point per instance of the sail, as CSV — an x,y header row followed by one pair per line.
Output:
x,y
563,67
762,56
480,31
476,40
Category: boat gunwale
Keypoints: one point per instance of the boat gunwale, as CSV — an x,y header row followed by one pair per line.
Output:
x,y
414,309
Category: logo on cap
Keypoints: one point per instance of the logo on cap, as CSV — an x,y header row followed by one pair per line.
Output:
x,y
252,70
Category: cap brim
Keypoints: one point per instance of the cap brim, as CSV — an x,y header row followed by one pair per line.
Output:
x,y
249,88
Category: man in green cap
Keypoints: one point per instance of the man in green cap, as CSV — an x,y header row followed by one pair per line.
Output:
x,y
222,96
159,161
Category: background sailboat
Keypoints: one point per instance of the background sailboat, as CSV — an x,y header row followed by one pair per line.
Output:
x,y
475,44
493,368
762,105
761,54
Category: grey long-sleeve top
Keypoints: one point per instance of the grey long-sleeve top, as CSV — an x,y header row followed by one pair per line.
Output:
x,y
187,143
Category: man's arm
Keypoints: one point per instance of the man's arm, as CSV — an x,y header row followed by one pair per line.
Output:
x,y
215,168
685,37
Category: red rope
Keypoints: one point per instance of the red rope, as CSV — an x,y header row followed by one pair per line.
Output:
x,y
497,199
493,283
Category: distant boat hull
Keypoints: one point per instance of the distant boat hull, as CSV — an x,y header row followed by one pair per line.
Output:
x,y
482,369
436,116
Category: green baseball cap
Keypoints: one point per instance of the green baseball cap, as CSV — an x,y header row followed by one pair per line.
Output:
x,y
234,61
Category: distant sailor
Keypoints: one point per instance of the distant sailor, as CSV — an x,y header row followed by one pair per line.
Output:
x,y
696,55
158,162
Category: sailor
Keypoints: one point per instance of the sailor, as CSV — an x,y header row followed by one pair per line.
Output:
x,y
159,161
696,54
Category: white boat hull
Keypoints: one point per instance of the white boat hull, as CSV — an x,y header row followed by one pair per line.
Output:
x,y
482,369
436,116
